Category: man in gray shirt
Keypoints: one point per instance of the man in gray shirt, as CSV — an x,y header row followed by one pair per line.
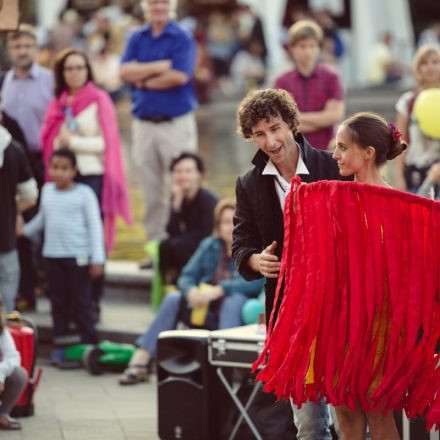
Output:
x,y
26,91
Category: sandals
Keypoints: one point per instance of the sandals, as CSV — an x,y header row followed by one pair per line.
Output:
x,y
7,423
134,374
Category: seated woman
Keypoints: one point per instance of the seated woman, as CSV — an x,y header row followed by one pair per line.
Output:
x,y
225,292
191,217
13,377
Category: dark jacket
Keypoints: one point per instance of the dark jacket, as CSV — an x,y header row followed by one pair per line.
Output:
x,y
259,219
186,229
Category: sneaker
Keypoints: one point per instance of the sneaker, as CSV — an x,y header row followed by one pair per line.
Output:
x,y
57,356
58,359
147,264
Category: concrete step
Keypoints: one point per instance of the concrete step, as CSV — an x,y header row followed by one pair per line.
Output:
x,y
121,320
125,281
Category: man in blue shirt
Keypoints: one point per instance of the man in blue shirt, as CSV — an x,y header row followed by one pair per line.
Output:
x,y
158,62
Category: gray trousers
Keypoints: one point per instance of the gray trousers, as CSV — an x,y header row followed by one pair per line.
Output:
x,y
153,147
9,278
14,385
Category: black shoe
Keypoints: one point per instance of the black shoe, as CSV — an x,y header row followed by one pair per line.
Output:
x,y
148,264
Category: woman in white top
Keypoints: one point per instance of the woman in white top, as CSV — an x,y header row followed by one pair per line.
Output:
x,y
422,151
82,118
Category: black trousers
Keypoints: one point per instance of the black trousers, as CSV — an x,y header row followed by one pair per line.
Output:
x,y
70,294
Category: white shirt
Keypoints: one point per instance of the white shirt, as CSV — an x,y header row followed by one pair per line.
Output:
x,y
282,186
9,356
88,145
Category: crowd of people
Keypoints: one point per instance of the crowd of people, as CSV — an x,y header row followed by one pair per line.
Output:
x,y
63,181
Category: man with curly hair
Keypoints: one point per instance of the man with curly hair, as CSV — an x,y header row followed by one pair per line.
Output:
x,y
270,118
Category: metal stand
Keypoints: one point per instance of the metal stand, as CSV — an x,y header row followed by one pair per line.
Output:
x,y
243,409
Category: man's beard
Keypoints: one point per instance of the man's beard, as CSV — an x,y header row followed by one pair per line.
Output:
x,y
24,64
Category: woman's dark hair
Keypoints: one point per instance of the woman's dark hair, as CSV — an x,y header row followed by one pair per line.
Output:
x,y
67,154
260,105
368,129
60,83
188,155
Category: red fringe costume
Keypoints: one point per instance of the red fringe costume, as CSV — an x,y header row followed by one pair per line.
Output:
x,y
359,318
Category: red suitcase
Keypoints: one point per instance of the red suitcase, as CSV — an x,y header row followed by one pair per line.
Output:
x,y
25,338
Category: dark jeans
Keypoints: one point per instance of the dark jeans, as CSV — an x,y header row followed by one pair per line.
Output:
x,y
95,182
69,288
173,255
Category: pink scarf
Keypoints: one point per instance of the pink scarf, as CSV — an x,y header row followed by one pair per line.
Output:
x,y
114,200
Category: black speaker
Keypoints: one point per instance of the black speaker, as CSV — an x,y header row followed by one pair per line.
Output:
x,y
191,397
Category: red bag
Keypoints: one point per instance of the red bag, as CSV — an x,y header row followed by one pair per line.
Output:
x,y
24,335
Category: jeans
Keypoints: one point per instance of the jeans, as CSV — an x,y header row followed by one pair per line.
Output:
x,y
69,288
9,278
167,315
312,421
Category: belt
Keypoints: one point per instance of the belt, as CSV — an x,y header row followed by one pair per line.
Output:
x,y
156,119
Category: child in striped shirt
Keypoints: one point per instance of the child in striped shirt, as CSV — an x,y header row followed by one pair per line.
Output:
x,y
73,249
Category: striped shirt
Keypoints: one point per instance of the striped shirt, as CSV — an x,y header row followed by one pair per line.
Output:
x,y
71,222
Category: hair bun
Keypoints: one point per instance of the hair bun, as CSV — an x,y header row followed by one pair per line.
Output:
x,y
397,147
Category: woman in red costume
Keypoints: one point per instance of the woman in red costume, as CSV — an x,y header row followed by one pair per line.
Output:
x,y
359,321
364,143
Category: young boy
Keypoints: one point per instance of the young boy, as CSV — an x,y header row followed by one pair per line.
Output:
x,y
315,87
73,249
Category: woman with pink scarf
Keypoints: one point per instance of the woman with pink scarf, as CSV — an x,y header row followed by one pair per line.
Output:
x,y
82,118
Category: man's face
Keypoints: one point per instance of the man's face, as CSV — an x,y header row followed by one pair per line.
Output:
x,y
275,138
159,11
22,51
305,52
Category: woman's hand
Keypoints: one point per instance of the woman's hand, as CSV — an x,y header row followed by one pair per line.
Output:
x,y
64,138
213,292
177,197
196,298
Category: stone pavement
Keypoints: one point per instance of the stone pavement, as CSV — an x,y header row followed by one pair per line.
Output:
x,y
73,405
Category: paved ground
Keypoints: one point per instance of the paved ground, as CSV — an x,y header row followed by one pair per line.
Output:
x,y
73,405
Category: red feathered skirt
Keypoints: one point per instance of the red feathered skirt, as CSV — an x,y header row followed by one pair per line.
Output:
x,y
359,317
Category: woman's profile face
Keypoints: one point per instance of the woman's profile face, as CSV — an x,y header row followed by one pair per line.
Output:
x,y
429,69
75,72
351,157
226,225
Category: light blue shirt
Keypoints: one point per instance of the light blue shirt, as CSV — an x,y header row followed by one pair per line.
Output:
x,y
26,100
71,222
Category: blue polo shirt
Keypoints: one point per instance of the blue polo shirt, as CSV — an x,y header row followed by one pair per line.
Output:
x,y
173,43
